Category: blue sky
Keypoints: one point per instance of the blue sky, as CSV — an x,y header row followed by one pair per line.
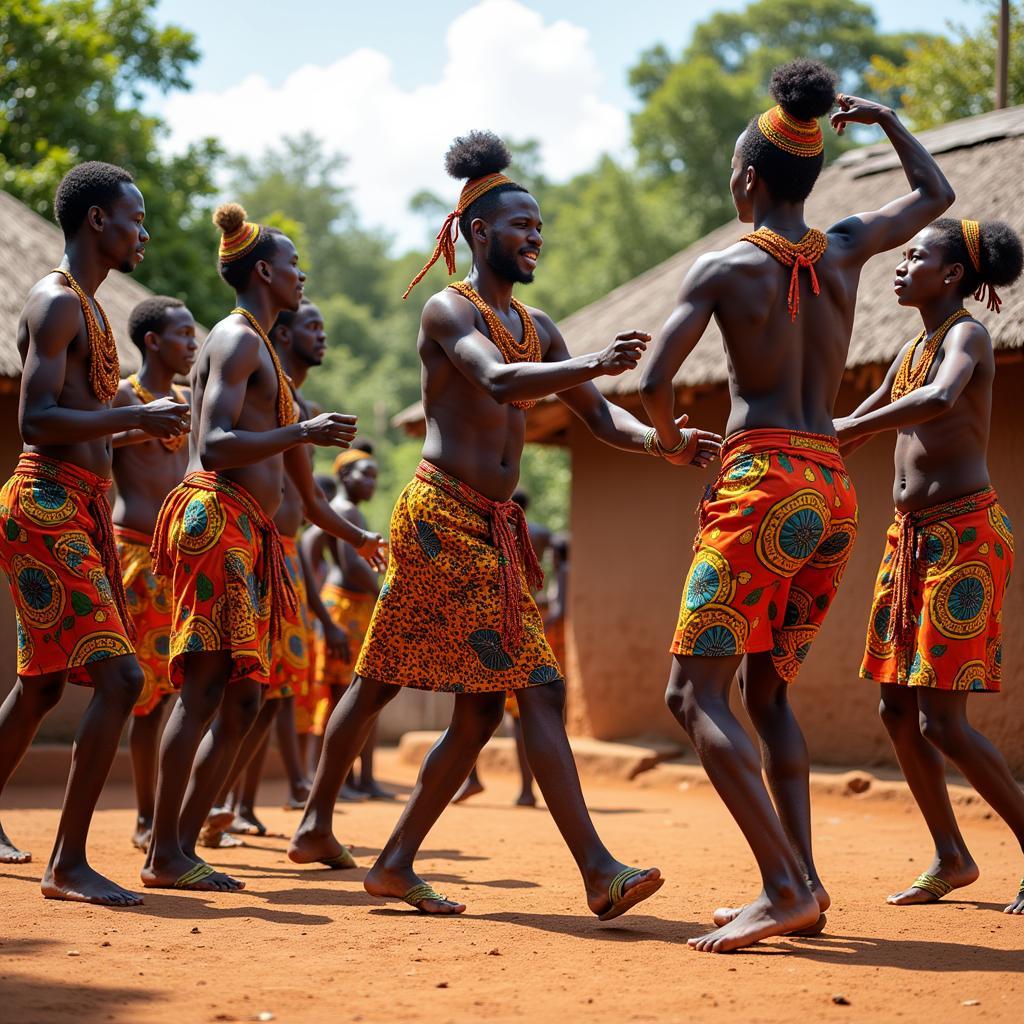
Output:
x,y
388,84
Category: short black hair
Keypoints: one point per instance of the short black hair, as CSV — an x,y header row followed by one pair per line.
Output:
x,y
150,315
473,156
1002,256
287,316
805,89
90,184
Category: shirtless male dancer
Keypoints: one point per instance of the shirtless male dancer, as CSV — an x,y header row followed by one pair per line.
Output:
x,y
146,470
56,536
216,539
776,530
935,634
456,611
300,342
349,593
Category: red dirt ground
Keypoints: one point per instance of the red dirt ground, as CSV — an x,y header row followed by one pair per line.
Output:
x,y
308,945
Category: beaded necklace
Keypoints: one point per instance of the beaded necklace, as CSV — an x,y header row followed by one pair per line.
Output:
x,y
286,411
910,377
804,253
172,444
525,351
104,368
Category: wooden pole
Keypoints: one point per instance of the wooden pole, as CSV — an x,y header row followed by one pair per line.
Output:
x,y
1003,65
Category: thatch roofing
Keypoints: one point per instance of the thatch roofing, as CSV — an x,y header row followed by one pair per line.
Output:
x,y
980,155
31,246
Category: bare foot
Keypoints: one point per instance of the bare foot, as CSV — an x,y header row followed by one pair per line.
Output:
x,y
760,920
956,873
351,795
640,887
723,915
294,804
10,854
375,792
220,817
80,884
396,884
1017,906
212,839
526,800
193,875
244,823
469,788
142,834
313,848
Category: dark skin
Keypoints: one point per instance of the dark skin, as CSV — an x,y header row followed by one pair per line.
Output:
x,y
60,417
145,471
477,435
782,374
357,482
941,446
234,396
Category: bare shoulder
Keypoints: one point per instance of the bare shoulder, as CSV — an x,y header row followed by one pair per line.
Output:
x,y
546,326
126,395
713,269
52,306
233,337
447,313
972,336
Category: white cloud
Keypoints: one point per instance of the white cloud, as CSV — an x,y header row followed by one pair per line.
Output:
x,y
506,70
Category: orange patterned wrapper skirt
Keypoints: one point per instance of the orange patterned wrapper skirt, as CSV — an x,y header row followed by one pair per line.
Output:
x,y
438,623
776,532
149,604
291,654
57,550
959,559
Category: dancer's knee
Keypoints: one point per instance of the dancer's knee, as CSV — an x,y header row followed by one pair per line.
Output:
x,y
943,732
476,719
121,683
241,709
371,695
44,692
681,700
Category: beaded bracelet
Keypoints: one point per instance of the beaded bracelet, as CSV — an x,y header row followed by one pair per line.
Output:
x,y
684,440
650,440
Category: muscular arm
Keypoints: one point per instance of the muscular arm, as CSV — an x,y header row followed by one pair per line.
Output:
x,y
678,338
448,319
53,323
356,568
123,400
930,193
964,348
335,637
223,446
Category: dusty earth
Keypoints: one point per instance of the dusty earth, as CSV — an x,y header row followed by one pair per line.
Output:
x,y
305,944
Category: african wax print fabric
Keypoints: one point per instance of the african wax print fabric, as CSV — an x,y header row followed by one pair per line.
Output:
x,y
443,619
776,532
57,550
960,559
289,675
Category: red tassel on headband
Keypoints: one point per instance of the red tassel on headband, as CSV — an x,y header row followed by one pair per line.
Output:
x,y
449,233
972,237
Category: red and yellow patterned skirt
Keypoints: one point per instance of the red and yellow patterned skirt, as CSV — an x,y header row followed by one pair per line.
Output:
x,y
58,552
776,532
149,604
961,556
291,657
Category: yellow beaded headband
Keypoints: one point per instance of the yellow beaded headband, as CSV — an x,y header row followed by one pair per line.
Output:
x,y
449,233
235,245
972,239
791,134
347,457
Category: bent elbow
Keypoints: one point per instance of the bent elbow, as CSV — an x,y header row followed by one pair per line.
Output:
x,y
650,384
210,456
29,430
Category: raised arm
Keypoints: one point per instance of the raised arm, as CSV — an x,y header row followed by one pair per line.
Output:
x,y
964,347
53,322
611,423
930,195
235,358
319,512
448,319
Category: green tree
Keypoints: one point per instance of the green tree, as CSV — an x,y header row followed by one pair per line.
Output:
x,y
72,78
696,106
943,79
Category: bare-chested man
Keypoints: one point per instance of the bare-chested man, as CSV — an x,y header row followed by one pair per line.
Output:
x,y
215,537
776,530
300,342
935,634
349,593
56,536
456,611
146,470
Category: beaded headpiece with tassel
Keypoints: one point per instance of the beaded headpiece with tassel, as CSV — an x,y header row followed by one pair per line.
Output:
x,y
972,238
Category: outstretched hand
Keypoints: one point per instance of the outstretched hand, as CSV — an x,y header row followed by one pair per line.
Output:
x,y
375,550
623,353
330,430
165,418
854,110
